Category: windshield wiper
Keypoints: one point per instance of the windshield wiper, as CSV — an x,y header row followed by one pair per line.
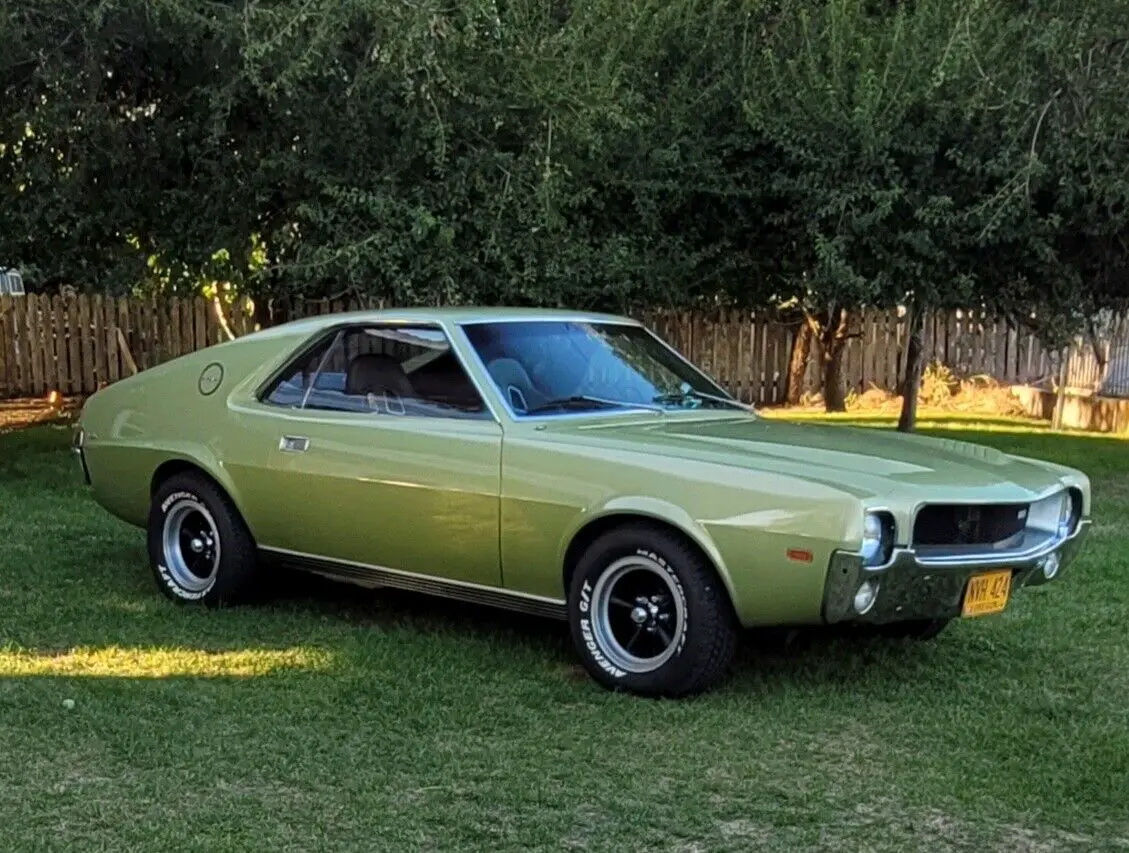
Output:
x,y
584,401
690,394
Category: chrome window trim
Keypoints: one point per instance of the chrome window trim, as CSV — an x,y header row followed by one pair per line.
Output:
x,y
321,366
337,330
602,413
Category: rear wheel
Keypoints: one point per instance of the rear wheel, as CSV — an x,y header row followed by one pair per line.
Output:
x,y
199,547
649,615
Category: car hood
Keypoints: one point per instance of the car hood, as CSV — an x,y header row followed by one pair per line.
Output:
x,y
866,462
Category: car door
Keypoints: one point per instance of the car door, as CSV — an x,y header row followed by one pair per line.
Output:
x,y
375,448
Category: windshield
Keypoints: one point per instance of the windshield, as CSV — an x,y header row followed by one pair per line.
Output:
x,y
555,366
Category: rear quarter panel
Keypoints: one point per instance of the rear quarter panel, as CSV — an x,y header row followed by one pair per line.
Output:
x,y
160,415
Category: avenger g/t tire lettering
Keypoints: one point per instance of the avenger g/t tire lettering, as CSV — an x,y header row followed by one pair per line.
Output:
x,y
649,615
200,550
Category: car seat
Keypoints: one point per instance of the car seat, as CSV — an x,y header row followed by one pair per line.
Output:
x,y
515,384
380,376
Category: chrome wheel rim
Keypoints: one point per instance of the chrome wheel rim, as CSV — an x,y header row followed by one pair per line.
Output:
x,y
638,614
191,545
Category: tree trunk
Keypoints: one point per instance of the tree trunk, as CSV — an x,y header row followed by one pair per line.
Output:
x,y
834,340
1060,393
798,364
221,318
834,399
911,379
264,319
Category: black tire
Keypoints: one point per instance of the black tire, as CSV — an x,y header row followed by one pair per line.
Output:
x,y
195,503
912,629
703,640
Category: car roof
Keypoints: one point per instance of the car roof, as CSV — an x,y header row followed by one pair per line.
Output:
x,y
432,315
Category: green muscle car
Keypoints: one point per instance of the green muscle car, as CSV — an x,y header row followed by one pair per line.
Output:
x,y
566,464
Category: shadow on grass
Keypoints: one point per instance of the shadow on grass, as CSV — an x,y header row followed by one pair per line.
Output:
x,y
310,627
810,658
311,594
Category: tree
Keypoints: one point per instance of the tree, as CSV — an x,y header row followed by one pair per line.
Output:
x,y
408,152
1061,252
866,110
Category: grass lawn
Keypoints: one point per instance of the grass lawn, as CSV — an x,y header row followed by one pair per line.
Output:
x,y
339,719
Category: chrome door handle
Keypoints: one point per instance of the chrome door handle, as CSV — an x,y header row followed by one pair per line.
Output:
x,y
294,444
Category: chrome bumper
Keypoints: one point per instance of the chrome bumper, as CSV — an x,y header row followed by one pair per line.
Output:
x,y
77,442
909,588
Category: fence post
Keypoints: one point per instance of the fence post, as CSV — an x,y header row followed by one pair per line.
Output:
x,y
123,347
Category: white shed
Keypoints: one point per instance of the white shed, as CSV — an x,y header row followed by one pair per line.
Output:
x,y
11,282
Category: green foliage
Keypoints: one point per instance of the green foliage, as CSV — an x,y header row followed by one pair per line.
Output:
x,y
866,113
1058,243
411,152
818,153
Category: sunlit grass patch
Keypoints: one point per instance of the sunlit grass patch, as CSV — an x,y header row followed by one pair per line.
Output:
x,y
119,662
925,417
939,420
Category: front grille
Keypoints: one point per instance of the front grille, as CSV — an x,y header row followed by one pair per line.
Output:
x,y
969,524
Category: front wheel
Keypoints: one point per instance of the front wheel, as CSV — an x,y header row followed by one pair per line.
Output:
x,y
649,615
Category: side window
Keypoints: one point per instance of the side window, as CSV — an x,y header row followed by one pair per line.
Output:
x,y
297,379
383,370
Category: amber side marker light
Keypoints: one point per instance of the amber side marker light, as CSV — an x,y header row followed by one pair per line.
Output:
x,y
799,555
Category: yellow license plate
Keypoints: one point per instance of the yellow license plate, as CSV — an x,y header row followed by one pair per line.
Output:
x,y
987,593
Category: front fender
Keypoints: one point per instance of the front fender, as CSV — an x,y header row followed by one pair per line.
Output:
x,y
658,510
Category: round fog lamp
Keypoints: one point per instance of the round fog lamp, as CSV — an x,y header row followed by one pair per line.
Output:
x,y
1051,564
865,596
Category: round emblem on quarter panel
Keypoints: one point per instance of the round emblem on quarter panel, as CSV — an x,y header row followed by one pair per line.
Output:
x,y
210,379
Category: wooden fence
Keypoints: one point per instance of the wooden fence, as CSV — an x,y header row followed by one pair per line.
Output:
x,y
75,344
749,354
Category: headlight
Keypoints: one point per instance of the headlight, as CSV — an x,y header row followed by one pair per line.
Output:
x,y
877,538
1069,511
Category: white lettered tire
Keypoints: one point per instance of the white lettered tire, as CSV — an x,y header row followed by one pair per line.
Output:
x,y
200,550
649,614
